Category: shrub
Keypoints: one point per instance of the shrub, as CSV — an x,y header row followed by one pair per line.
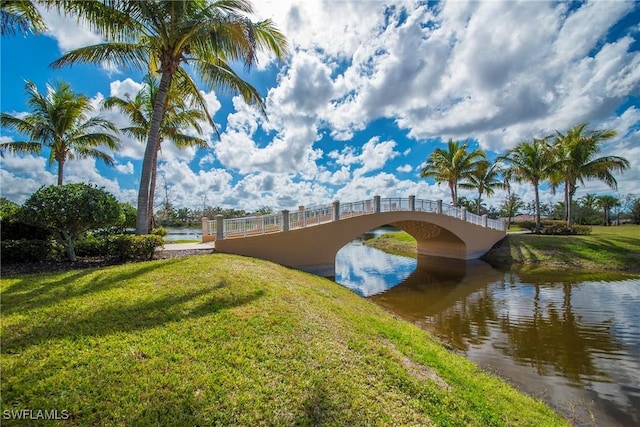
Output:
x,y
557,228
91,244
561,228
23,250
129,247
527,225
160,231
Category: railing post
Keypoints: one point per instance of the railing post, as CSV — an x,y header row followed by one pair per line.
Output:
x,y
439,206
376,204
219,227
412,203
285,220
302,215
463,214
259,223
205,227
336,210
485,218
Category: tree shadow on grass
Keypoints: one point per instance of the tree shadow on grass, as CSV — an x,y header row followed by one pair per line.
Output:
x,y
27,294
122,317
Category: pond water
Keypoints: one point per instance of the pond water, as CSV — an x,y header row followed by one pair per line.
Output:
x,y
571,340
174,233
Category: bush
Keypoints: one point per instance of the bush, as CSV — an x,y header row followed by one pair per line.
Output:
x,y
526,225
91,245
560,228
160,231
129,247
23,250
556,228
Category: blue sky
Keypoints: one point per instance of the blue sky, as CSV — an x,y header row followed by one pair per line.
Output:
x,y
369,89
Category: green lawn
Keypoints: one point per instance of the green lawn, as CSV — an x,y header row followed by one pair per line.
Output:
x,y
225,340
606,248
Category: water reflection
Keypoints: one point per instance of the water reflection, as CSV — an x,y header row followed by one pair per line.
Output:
x,y
369,271
573,341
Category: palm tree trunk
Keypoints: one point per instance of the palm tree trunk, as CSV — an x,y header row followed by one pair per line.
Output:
x,y
479,202
142,220
454,196
569,191
60,171
537,229
152,189
566,201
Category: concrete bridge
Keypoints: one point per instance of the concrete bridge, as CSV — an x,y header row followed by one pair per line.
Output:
x,y
308,239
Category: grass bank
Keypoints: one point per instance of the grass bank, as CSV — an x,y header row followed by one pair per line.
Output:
x,y
606,248
225,340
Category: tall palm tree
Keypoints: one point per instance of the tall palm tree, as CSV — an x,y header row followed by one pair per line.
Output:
x,y
178,115
530,162
485,179
60,120
163,35
20,16
576,151
452,165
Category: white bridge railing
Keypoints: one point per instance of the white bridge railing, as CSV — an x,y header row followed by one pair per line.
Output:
x,y
285,220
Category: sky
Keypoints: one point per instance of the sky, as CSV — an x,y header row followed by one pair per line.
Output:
x,y
368,90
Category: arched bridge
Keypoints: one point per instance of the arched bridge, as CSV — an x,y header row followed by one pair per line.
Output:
x,y
308,239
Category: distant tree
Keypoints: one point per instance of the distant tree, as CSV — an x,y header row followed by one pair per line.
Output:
x,y
576,161
584,209
607,202
60,121
510,207
465,202
530,161
635,211
70,210
453,165
484,180
265,210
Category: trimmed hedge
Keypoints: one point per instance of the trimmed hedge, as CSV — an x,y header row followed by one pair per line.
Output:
x,y
557,228
123,247
23,250
131,247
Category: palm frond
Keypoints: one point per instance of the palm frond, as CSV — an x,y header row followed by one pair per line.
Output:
x,y
120,54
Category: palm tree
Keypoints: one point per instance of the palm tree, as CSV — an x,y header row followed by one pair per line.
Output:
x,y
453,165
60,120
164,35
576,151
178,115
607,202
510,207
530,162
20,16
485,179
